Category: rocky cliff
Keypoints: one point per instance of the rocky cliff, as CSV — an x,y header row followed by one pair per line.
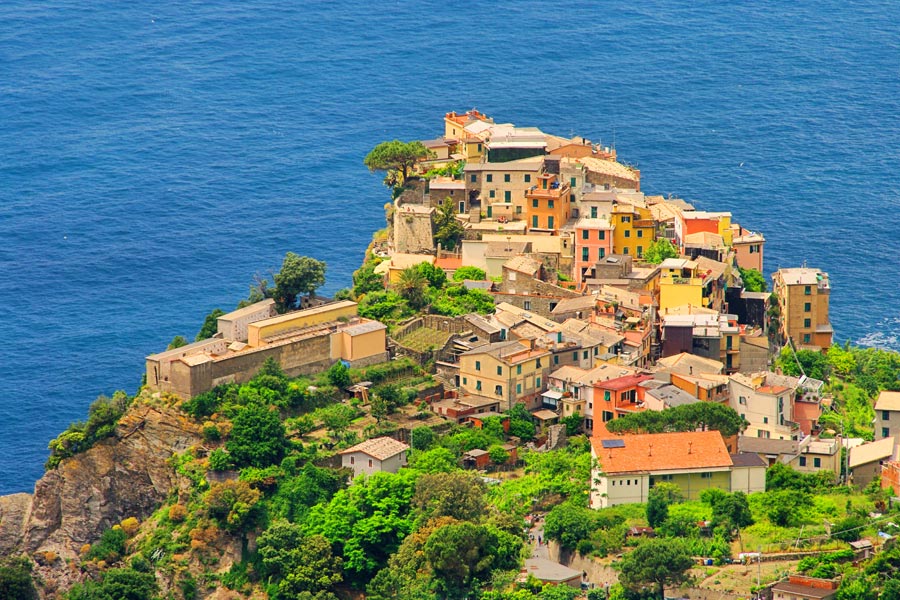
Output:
x,y
127,475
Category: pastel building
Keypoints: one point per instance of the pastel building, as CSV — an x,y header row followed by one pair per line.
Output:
x,y
593,243
548,205
803,295
377,455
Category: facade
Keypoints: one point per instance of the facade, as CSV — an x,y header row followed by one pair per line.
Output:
x,y
887,415
489,184
803,296
634,230
865,461
680,284
593,243
696,221
547,204
260,331
748,247
766,403
233,326
799,587
377,455
618,397
628,466
509,372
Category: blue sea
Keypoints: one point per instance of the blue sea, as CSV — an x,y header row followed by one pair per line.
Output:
x,y
154,156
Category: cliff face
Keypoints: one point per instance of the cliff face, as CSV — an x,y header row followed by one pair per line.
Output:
x,y
127,475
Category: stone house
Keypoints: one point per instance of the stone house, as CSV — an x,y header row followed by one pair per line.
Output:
x,y
233,326
377,455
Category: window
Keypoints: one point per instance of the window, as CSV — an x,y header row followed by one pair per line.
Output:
x,y
585,234
527,177
479,147
498,390
352,460
817,462
640,250
499,370
537,363
556,359
528,305
602,235
473,178
602,251
572,198
807,290
537,382
370,463
626,219
807,323
575,356
628,233
806,338
705,475
507,196
585,254
534,204
742,400
885,432
885,415
478,385
572,181
626,250
489,177
549,203
807,306
462,207
640,233
606,395
492,194
534,221
607,416
802,461
477,365
518,369
765,420
585,355
550,222
465,380
519,211
518,388
594,216
506,177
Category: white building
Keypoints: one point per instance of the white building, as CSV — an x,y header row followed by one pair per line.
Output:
x,y
381,454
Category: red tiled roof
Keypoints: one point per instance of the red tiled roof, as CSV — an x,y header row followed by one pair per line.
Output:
x,y
661,451
448,262
621,383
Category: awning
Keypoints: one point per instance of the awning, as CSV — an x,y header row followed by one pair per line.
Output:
x,y
553,395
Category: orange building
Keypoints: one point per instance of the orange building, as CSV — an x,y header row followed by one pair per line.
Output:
x,y
548,204
617,397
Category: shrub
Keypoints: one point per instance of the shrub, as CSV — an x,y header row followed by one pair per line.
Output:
x,y
130,526
177,513
110,547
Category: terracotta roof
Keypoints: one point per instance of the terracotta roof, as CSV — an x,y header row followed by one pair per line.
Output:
x,y
652,452
448,262
804,591
888,401
621,383
381,448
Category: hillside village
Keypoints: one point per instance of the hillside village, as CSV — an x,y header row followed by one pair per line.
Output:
x,y
595,305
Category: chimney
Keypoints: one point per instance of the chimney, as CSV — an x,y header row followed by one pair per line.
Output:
x,y
650,449
690,446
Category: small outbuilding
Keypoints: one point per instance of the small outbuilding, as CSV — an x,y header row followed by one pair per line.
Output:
x,y
381,454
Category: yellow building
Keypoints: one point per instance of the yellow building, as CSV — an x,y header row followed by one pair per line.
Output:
x,y
398,263
259,331
511,372
803,295
462,131
359,341
679,284
634,229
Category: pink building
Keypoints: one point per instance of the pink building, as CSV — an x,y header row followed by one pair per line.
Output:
x,y
593,242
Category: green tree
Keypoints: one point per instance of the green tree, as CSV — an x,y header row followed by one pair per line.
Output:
x,y
233,504
459,495
302,567
422,437
498,455
436,460
573,423
470,273
783,507
395,156
814,364
448,230
434,275
412,287
659,498
753,280
339,375
687,417
257,437
521,423
177,342
298,275
15,578
336,418
730,511
656,563
659,251
210,325
366,280
849,529
386,306
462,554
116,584
569,523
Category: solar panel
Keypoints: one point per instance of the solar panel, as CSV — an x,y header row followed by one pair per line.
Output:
x,y
613,443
